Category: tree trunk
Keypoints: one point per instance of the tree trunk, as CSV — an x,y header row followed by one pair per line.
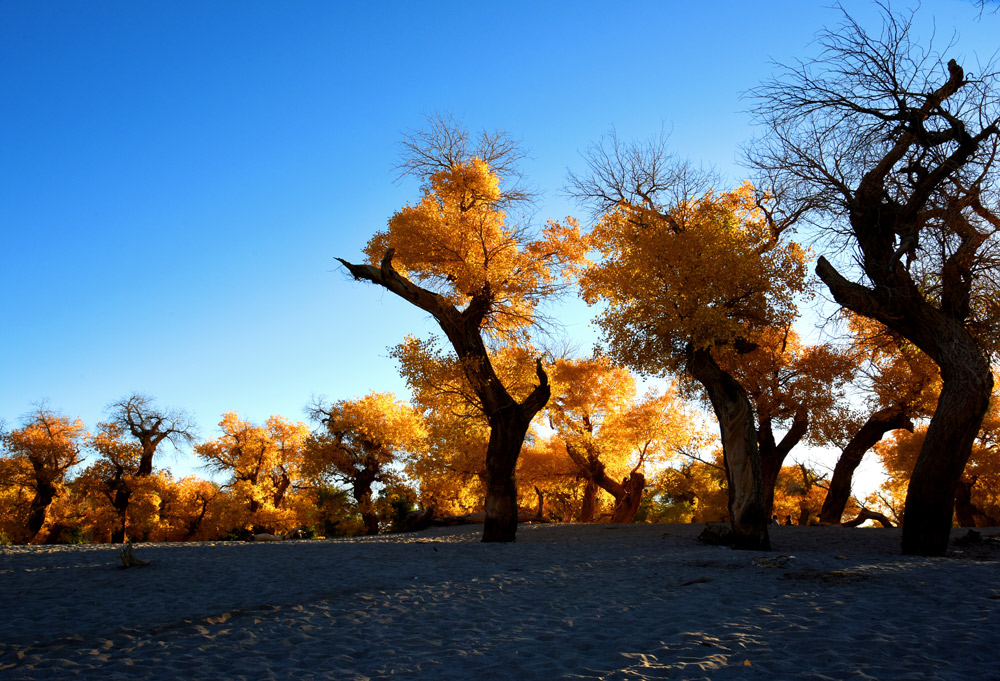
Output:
x,y
773,455
45,492
874,429
362,491
965,510
627,505
866,514
506,437
747,496
965,393
540,509
508,418
589,505
121,503
930,498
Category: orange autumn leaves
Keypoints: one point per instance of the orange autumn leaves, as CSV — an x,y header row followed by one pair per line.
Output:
x,y
707,273
456,242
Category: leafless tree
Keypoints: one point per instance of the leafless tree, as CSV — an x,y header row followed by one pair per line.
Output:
x,y
890,150
150,425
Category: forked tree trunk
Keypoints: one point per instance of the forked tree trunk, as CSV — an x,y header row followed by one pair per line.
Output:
x,y
627,505
773,455
627,493
965,394
874,429
747,496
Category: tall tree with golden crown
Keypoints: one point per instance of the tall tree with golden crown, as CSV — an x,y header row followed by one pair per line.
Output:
x,y
455,256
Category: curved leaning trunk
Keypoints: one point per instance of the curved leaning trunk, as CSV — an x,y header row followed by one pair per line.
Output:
x,y
877,425
965,395
44,494
747,496
930,497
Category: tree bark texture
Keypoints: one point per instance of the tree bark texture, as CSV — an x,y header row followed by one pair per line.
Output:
x,y
747,496
627,505
874,429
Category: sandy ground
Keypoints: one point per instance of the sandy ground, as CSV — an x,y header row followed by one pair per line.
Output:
x,y
564,602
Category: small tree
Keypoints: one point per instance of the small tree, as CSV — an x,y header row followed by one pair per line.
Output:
x,y
40,453
611,433
359,444
263,462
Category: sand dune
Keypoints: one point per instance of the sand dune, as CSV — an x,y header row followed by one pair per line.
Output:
x,y
574,602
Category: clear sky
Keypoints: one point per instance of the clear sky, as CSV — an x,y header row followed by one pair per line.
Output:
x,y
176,178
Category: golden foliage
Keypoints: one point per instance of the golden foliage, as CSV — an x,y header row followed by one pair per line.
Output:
x,y
785,379
455,242
262,461
705,273
360,443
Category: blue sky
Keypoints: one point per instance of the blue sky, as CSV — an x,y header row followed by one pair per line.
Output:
x,y
177,178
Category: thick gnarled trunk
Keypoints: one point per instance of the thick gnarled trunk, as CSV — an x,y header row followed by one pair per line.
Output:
x,y
45,492
930,497
965,394
627,505
747,496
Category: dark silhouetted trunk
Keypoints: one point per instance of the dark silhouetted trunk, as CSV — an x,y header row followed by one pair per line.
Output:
x,y
874,429
507,431
627,493
966,386
747,495
45,492
930,497
965,510
866,514
195,524
362,490
120,502
773,455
